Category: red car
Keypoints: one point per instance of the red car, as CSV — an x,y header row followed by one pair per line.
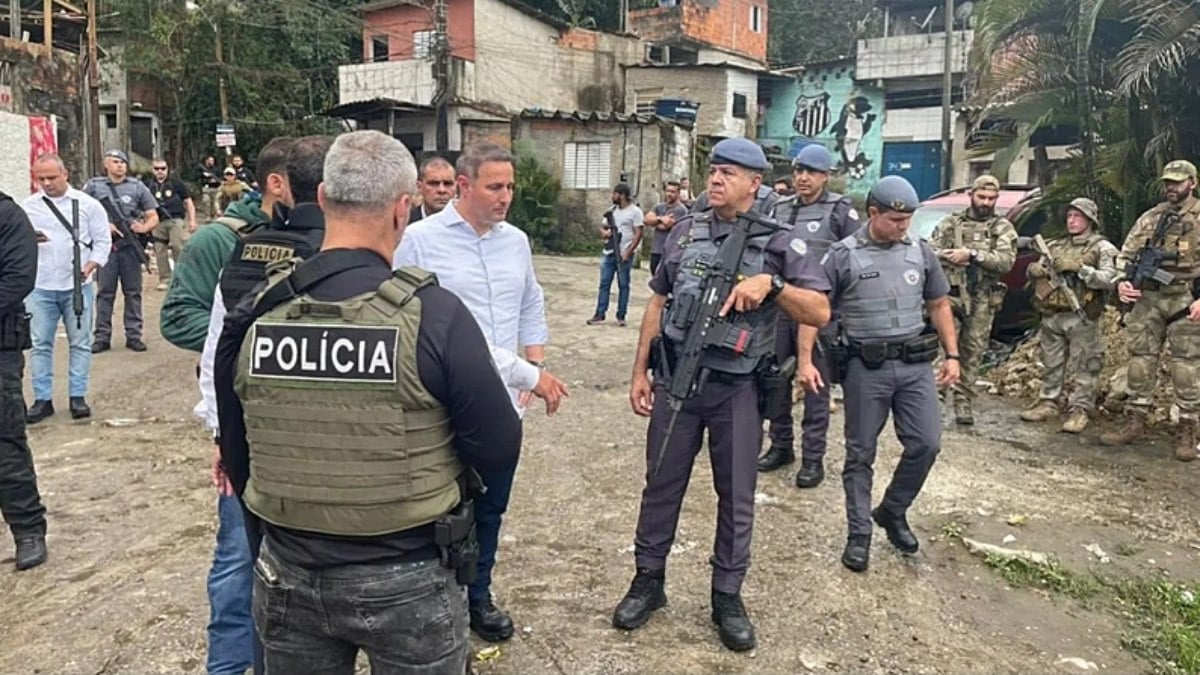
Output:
x,y
1018,203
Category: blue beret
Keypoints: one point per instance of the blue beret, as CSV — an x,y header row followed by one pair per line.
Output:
x,y
741,152
895,193
814,156
118,155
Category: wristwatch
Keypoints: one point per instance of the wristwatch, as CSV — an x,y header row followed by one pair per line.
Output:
x,y
974,254
541,365
952,357
777,285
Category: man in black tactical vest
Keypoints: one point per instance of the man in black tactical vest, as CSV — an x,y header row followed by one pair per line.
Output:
x,y
884,283
354,405
820,218
19,500
776,276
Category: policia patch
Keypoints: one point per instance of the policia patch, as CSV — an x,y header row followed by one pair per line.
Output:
x,y
287,351
267,253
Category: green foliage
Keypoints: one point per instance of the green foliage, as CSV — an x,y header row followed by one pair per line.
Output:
x,y
534,201
805,31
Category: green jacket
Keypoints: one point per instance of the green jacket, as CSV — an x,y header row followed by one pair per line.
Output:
x,y
185,312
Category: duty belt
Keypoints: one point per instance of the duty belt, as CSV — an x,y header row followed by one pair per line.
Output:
x,y
919,349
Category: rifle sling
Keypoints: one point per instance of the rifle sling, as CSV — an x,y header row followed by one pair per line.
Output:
x,y
65,223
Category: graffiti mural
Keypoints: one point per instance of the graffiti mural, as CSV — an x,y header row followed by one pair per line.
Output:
x,y
827,106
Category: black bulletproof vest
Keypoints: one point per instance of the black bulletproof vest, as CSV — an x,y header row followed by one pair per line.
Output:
x,y
247,265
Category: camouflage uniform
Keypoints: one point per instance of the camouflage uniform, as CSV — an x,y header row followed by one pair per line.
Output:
x,y
1147,328
975,290
1087,263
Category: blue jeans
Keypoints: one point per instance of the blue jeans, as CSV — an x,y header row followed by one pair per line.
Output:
x,y
47,308
489,512
230,583
609,267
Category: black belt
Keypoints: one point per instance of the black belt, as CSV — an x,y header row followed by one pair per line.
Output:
x,y
894,350
729,378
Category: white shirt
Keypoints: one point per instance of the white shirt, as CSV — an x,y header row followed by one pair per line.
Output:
x,y
494,277
55,257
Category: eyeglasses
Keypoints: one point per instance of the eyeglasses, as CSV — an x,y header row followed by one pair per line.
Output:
x,y
160,168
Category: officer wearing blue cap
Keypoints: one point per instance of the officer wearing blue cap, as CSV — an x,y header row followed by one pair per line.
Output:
x,y
883,285
742,152
778,276
820,218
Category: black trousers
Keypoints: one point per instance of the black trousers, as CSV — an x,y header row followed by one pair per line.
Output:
x,y
19,499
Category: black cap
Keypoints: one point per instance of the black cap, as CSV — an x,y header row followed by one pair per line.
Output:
x,y
622,189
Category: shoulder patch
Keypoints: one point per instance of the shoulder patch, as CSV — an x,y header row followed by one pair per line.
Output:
x,y
334,353
852,214
799,246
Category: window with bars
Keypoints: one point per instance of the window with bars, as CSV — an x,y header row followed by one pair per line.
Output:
x,y
423,44
586,166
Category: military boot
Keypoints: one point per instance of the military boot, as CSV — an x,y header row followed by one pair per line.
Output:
x,y
962,411
1129,432
811,473
1077,421
645,595
31,551
777,456
1185,441
734,627
1040,411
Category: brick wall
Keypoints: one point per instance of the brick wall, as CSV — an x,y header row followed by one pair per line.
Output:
x,y
727,25
399,24
474,131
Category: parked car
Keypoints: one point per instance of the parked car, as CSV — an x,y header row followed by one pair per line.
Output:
x,y
1021,204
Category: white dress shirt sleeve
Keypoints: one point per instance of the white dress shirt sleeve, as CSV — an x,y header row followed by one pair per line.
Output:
x,y
532,328
516,372
207,409
100,235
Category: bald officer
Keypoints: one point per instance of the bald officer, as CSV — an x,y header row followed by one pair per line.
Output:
x,y
776,276
883,284
819,217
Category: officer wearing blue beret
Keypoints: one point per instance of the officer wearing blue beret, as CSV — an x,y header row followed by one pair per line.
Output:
x,y
884,283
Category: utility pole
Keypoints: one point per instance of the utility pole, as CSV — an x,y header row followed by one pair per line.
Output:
x,y
947,86
624,16
48,26
221,93
14,19
93,77
441,75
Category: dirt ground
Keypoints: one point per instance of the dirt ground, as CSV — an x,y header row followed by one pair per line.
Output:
x,y
132,520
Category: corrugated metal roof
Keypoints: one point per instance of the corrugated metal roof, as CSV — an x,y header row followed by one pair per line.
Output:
x,y
596,116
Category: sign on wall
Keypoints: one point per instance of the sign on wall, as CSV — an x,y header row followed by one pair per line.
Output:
x,y
225,136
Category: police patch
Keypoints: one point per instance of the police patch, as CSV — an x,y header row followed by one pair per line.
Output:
x,y
912,277
799,246
325,353
869,275
852,214
813,225
267,253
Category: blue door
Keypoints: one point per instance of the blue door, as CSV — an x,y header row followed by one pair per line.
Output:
x,y
919,162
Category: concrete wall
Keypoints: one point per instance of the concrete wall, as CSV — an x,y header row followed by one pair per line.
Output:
x,y
43,87
914,124
911,55
725,24
713,87
655,155
828,106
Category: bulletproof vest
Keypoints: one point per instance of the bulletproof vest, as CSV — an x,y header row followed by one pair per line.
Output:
x,y
247,265
964,232
1049,299
168,197
885,297
1182,238
344,439
699,252
812,221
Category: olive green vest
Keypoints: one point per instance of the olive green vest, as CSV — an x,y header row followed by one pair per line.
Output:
x,y
344,439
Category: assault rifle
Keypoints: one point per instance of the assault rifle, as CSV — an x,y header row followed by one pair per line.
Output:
x,y
614,234
76,267
1056,280
706,328
1147,263
117,217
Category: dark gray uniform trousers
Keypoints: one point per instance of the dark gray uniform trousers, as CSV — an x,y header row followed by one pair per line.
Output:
x,y
909,392
19,501
729,411
815,424
122,266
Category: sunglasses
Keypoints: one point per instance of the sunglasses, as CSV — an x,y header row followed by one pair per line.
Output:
x,y
160,168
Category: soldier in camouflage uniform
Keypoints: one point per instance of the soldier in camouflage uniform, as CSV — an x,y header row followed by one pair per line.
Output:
x,y
1156,304
976,248
1085,260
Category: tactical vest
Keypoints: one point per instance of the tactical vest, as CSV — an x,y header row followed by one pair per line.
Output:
x,y
1182,239
1050,300
967,233
699,252
814,221
885,297
247,265
366,455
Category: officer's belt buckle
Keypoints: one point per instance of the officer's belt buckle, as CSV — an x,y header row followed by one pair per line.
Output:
x,y
873,354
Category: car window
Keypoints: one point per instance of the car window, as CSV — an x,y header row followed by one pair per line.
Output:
x,y
926,218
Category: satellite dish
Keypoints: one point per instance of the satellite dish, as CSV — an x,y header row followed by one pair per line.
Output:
x,y
963,12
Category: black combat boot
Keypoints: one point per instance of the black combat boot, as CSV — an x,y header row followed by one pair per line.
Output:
x,y
777,456
811,473
857,554
490,622
734,627
39,411
31,551
645,595
79,408
898,531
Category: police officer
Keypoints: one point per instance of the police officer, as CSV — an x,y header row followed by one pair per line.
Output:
x,y
1085,262
820,218
765,200
139,208
1159,307
176,206
19,500
777,276
350,400
976,248
883,285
